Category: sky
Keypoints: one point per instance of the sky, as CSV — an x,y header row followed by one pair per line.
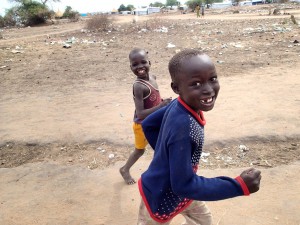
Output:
x,y
84,6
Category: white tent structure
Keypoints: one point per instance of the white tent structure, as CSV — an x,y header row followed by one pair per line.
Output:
x,y
146,11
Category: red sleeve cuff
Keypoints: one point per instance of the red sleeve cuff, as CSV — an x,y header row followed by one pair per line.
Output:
x,y
243,185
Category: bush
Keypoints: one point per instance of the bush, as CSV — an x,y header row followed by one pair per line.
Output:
x,y
70,14
28,13
193,3
36,13
156,23
2,23
38,18
276,11
99,22
10,18
33,13
74,16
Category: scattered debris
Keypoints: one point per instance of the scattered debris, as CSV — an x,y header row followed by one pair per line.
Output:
x,y
243,148
101,149
162,30
239,46
67,46
170,45
84,31
143,30
16,51
204,156
71,40
263,163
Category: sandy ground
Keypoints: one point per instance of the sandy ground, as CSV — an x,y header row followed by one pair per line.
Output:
x,y
63,111
47,193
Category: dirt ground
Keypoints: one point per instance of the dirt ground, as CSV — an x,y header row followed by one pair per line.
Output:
x,y
73,107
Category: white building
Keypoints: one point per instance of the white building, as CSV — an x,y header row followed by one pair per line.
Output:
x,y
153,10
125,12
140,11
245,3
221,5
146,11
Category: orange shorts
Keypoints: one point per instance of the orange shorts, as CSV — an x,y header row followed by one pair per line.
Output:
x,y
139,136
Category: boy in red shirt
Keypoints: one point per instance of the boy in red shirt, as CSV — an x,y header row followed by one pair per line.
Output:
x,y
147,100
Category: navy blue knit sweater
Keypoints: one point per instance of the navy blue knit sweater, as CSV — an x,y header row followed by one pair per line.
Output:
x,y
176,132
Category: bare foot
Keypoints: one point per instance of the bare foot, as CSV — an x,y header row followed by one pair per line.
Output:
x,y
127,177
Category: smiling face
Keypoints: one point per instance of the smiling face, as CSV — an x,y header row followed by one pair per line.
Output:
x,y
197,82
139,64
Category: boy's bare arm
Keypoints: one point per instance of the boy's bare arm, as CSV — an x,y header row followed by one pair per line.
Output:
x,y
142,113
139,92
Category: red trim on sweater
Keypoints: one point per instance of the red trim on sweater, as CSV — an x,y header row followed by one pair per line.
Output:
x,y
200,117
243,185
149,209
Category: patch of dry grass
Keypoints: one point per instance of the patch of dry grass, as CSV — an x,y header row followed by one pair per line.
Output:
x,y
99,22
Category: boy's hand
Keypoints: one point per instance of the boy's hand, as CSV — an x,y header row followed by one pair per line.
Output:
x,y
165,101
251,178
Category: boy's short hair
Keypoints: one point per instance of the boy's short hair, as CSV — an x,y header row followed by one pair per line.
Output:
x,y
176,60
136,50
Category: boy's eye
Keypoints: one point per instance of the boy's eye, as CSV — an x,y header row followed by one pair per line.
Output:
x,y
198,84
214,79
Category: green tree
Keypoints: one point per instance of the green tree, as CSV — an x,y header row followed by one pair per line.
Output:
x,y
130,7
44,2
122,8
32,13
70,13
10,17
27,12
210,2
67,11
193,3
20,1
157,4
171,3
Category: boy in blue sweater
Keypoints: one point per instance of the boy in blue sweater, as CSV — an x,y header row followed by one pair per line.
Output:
x,y
170,185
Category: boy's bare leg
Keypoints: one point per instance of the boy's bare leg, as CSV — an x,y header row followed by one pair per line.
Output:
x,y
124,171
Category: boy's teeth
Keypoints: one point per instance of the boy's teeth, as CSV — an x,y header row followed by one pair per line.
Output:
x,y
209,100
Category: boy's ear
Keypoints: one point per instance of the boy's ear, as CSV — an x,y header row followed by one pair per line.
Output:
x,y
174,87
